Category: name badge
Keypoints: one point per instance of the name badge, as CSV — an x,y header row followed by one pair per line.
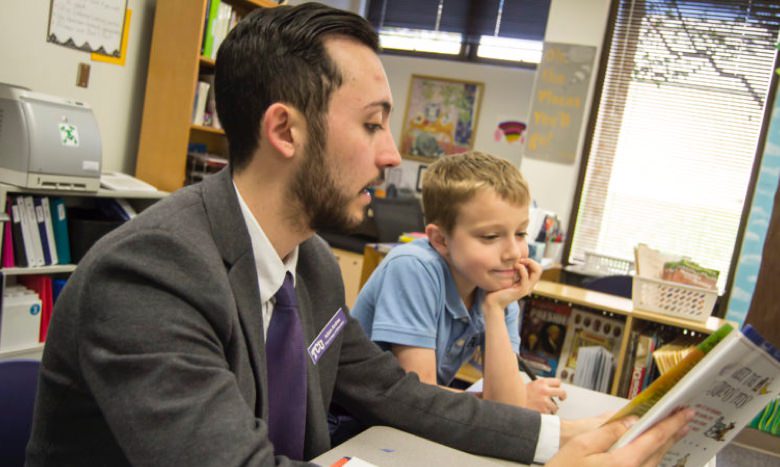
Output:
x,y
327,335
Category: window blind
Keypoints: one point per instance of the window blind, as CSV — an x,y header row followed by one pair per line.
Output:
x,y
676,129
500,22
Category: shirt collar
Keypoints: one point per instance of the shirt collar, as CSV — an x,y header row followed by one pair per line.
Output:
x,y
453,303
270,268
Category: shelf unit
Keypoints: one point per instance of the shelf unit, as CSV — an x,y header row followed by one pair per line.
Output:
x,y
614,305
175,62
140,200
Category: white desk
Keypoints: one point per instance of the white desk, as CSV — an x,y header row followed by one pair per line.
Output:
x,y
579,403
388,447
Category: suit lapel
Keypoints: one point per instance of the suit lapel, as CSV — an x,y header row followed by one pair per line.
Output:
x,y
232,239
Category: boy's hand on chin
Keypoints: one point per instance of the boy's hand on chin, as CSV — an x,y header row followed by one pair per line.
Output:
x,y
527,275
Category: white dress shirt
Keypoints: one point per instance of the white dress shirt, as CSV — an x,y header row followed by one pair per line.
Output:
x,y
270,268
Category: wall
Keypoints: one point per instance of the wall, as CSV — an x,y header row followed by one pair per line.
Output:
x,y
508,94
115,93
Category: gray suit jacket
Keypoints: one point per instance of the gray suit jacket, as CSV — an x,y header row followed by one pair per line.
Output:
x,y
155,354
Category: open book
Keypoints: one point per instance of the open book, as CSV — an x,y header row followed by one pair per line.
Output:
x,y
728,378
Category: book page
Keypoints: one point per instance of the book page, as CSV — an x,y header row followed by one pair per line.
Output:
x,y
727,388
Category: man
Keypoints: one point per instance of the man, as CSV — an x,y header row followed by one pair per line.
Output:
x,y
165,346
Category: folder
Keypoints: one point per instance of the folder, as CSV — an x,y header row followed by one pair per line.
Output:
x,y
27,231
9,258
59,221
35,235
40,223
49,230
41,285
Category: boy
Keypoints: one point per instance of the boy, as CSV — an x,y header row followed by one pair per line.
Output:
x,y
433,301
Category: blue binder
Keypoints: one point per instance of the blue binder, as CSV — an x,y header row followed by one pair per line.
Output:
x,y
59,220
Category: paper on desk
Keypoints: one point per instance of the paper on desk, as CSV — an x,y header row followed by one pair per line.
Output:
x,y
579,403
352,462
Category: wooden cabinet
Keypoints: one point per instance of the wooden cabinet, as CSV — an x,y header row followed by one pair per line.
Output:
x,y
175,62
351,265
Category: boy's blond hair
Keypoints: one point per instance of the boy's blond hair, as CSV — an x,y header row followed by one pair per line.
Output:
x,y
453,180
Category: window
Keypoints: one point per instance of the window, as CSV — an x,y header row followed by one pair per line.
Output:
x,y
510,31
672,149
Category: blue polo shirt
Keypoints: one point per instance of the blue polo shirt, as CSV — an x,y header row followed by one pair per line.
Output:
x,y
411,299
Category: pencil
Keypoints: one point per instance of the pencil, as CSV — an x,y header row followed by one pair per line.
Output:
x,y
531,374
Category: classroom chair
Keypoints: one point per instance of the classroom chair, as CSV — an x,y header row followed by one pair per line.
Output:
x,y
620,285
18,385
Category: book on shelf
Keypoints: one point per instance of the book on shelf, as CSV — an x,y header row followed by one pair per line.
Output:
x,y
30,237
41,285
59,219
642,369
728,378
670,354
13,249
49,227
201,163
595,366
542,335
212,12
40,220
199,103
587,329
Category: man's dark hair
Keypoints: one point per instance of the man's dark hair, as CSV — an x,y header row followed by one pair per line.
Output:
x,y
278,55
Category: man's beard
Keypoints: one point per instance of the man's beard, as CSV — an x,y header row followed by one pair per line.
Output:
x,y
324,205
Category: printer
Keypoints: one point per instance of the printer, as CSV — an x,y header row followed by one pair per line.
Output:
x,y
47,142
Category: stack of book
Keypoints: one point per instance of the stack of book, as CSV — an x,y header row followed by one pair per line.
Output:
x,y
595,366
221,18
726,379
586,329
542,335
201,163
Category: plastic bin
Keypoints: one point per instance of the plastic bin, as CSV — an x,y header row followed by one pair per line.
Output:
x,y
673,299
607,265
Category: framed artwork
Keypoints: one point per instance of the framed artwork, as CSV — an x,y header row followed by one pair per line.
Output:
x,y
441,117
420,172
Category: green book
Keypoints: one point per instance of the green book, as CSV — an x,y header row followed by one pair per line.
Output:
x,y
208,35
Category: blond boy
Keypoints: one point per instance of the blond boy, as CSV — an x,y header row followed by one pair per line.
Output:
x,y
434,301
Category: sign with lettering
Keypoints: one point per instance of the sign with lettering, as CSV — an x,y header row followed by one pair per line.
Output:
x,y
88,25
558,104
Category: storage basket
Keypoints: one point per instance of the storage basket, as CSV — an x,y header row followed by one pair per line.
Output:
x,y
607,265
673,299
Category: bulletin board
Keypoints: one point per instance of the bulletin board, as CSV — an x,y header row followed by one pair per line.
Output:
x,y
88,25
558,105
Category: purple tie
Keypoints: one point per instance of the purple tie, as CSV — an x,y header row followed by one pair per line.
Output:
x,y
286,362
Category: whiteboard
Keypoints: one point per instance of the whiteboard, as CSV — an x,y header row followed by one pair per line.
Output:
x,y
88,25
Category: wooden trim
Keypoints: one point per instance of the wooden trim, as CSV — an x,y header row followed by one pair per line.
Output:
x,y
170,90
621,306
207,129
748,203
590,129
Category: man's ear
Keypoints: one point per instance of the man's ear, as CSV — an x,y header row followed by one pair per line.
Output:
x,y
284,128
437,238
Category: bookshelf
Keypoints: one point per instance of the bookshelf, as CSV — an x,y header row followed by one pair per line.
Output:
x,y
139,200
175,63
623,308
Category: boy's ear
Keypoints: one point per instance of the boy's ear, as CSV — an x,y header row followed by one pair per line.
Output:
x,y
437,238
283,127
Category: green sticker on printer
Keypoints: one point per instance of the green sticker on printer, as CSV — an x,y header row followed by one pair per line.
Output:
x,y
69,135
